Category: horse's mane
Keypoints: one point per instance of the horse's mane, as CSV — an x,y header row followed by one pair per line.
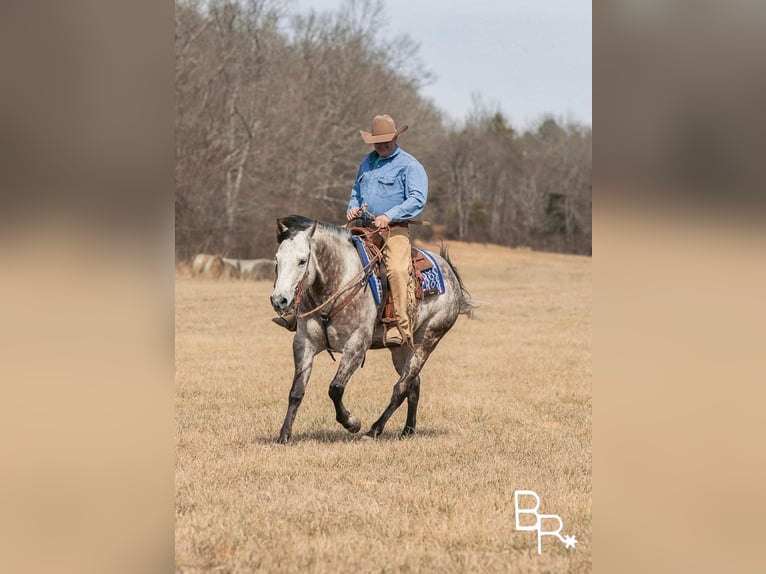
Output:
x,y
294,224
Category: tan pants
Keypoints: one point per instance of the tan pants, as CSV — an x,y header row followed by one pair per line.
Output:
x,y
398,260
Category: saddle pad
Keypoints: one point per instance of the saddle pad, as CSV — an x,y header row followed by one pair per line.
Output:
x,y
432,280
374,280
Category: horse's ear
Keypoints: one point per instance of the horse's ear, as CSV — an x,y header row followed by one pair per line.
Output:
x,y
281,229
312,230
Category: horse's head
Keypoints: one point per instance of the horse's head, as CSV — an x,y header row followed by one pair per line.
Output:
x,y
295,269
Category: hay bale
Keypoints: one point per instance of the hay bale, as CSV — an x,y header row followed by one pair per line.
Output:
x,y
198,264
205,265
231,269
257,269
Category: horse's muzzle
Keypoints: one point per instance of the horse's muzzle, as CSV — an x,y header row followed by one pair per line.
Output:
x,y
280,303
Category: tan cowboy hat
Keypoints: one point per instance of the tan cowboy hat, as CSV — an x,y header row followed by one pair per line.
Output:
x,y
383,130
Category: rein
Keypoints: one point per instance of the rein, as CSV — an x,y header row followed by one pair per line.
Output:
x,y
356,282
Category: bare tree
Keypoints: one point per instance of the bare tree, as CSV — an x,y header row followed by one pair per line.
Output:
x,y
267,119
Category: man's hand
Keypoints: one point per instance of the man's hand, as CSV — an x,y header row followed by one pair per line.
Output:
x,y
353,213
382,221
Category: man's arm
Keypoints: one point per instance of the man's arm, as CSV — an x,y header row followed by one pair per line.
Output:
x,y
415,192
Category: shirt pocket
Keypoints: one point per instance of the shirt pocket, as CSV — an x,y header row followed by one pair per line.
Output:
x,y
387,179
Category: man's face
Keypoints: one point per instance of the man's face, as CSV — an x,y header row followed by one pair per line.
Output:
x,y
384,149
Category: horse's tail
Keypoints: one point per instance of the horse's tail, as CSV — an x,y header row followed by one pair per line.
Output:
x,y
467,305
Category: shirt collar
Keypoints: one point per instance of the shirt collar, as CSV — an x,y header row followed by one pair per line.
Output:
x,y
376,159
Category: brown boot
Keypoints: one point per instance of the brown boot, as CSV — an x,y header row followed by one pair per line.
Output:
x,y
289,321
393,336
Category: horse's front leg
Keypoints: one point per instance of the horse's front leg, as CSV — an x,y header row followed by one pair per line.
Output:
x,y
353,355
303,356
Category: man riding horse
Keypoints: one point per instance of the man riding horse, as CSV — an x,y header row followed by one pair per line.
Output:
x,y
393,187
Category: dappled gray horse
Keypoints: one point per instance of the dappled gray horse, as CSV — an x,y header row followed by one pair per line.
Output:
x,y
318,265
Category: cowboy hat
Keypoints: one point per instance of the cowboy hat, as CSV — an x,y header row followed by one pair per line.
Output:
x,y
383,130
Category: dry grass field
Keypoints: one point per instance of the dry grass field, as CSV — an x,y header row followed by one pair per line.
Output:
x,y
505,405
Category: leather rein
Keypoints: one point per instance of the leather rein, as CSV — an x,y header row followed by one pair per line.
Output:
x,y
353,287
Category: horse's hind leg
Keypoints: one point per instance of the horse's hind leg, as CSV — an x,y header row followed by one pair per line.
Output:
x,y
400,356
412,407
405,384
349,363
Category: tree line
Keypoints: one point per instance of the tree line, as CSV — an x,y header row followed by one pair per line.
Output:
x,y
268,110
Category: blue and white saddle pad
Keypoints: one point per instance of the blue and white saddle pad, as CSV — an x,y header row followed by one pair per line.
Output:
x,y
431,279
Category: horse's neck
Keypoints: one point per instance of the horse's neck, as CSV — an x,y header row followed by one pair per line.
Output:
x,y
336,263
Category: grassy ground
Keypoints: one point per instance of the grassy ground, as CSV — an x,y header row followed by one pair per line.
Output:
x,y
505,405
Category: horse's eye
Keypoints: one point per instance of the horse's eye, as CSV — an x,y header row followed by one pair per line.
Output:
x,y
302,262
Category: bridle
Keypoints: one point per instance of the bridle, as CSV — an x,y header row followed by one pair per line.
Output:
x,y
353,286
300,289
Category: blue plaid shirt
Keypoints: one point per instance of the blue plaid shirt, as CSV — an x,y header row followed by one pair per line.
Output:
x,y
396,186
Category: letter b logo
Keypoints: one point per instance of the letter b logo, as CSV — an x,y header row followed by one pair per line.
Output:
x,y
533,520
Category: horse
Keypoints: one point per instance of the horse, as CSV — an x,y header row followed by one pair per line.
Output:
x,y
318,266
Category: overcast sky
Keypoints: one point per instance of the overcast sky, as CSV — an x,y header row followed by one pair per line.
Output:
x,y
527,57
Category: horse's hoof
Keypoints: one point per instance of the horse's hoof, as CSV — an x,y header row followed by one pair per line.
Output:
x,y
371,434
354,425
283,439
407,432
